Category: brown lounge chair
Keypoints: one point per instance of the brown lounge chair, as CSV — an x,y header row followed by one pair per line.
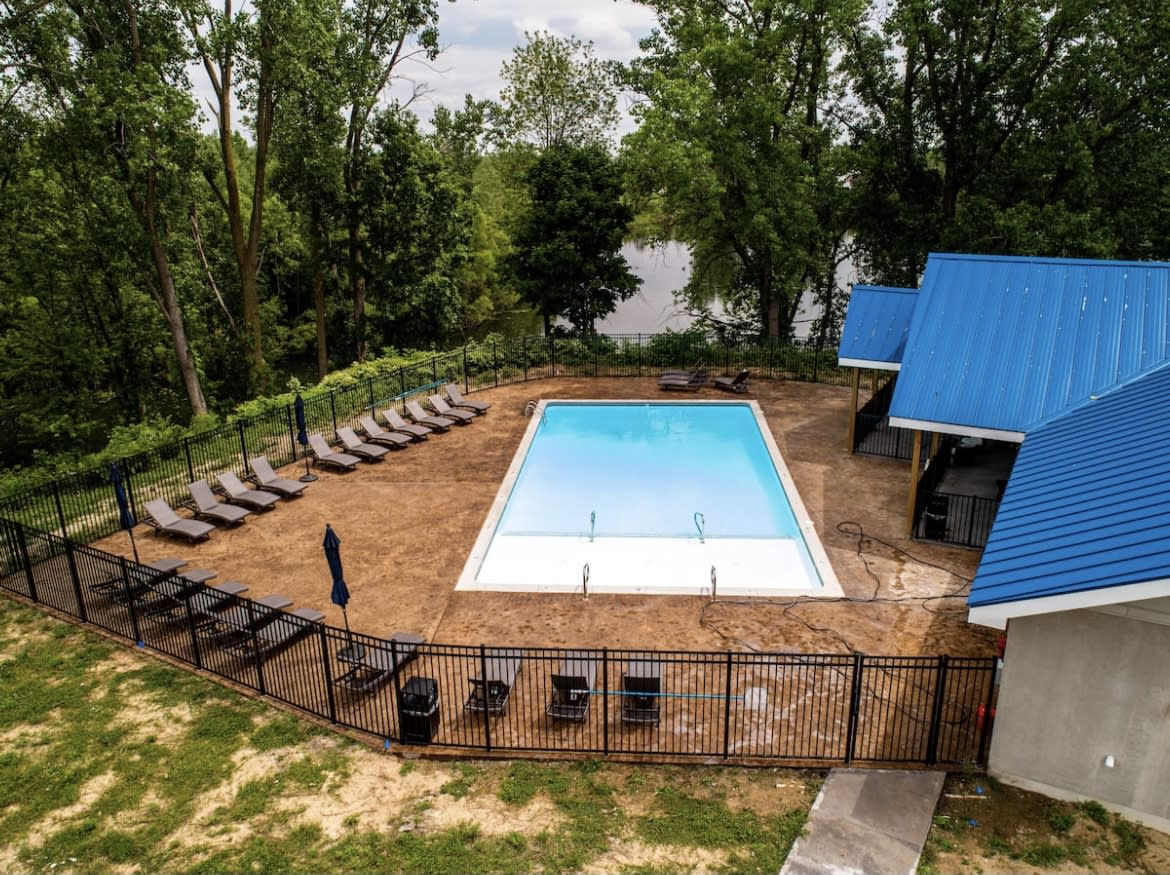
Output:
x,y
642,692
378,435
491,693
442,408
457,400
737,384
206,506
692,383
355,445
234,490
370,667
572,686
325,455
397,424
421,417
265,478
165,521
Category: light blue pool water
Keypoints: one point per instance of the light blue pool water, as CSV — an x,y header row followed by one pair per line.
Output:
x,y
646,470
649,497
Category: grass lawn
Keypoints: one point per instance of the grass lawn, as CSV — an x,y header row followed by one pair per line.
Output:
x,y
117,762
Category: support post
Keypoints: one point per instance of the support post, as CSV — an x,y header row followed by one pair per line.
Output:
x,y
854,708
940,688
915,474
329,698
727,709
854,382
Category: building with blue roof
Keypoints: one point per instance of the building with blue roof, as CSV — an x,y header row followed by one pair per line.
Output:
x,y
1070,360
876,326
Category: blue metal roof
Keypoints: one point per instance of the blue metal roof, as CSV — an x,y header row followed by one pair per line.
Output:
x,y
876,325
1087,505
1006,343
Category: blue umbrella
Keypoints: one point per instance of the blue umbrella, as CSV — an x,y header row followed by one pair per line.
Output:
x,y
303,436
340,594
125,512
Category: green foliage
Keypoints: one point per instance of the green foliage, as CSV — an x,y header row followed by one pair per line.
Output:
x,y
556,94
1095,811
567,258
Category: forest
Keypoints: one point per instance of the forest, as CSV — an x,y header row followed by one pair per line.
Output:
x,y
164,261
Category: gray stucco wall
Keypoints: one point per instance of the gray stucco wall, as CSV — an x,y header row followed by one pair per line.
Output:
x,y
1076,687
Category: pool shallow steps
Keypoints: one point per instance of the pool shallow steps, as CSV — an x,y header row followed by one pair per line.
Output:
x,y
658,566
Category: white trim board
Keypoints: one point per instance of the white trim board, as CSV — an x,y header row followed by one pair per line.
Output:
x,y
997,615
866,363
995,434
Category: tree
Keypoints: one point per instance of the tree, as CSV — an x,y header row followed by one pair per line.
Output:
x,y
376,43
557,94
734,144
567,257
112,77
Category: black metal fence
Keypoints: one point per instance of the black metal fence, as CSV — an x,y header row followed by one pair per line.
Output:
x,y
81,505
795,708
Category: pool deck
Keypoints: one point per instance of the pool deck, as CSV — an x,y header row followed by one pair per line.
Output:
x,y
407,526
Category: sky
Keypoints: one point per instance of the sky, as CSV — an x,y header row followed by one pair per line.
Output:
x,y
477,36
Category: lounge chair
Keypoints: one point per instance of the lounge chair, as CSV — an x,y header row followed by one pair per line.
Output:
x,y
325,455
396,423
681,372
202,607
378,435
355,445
165,521
457,400
234,490
642,688
265,478
442,408
207,507
572,685
113,582
277,635
491,693
150,592
421,417
692,383
245,618
737,384
370,667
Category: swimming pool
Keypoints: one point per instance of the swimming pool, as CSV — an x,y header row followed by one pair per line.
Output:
x,y
649,497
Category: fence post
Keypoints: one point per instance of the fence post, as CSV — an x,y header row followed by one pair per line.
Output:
x,y
22,545
256,649
988,714
727,710
190,465
60,509
940,685
333,407
130,602
329,699
605,700
487,714
639,353
854,707
523,357
816,361
401,380
192,629
552,354
434,369
71,560
466,383
243,442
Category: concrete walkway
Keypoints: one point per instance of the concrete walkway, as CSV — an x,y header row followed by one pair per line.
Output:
x,y
867,822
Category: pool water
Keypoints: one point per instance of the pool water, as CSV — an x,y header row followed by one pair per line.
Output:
x,y
651,497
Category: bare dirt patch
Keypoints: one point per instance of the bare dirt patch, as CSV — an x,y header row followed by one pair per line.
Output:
x,y
408,524
627,855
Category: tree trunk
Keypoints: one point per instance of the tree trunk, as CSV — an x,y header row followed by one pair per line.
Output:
x,y
316,233
174,317
357,289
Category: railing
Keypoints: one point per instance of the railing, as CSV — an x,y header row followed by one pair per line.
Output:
x,y
81,505
962,520
776,707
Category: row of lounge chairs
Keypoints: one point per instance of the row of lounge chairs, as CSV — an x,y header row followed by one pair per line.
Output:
x,y
694,380
240,501
377,441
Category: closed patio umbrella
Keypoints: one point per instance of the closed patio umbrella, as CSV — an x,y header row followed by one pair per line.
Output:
x,y
125,512
303,437
340,593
